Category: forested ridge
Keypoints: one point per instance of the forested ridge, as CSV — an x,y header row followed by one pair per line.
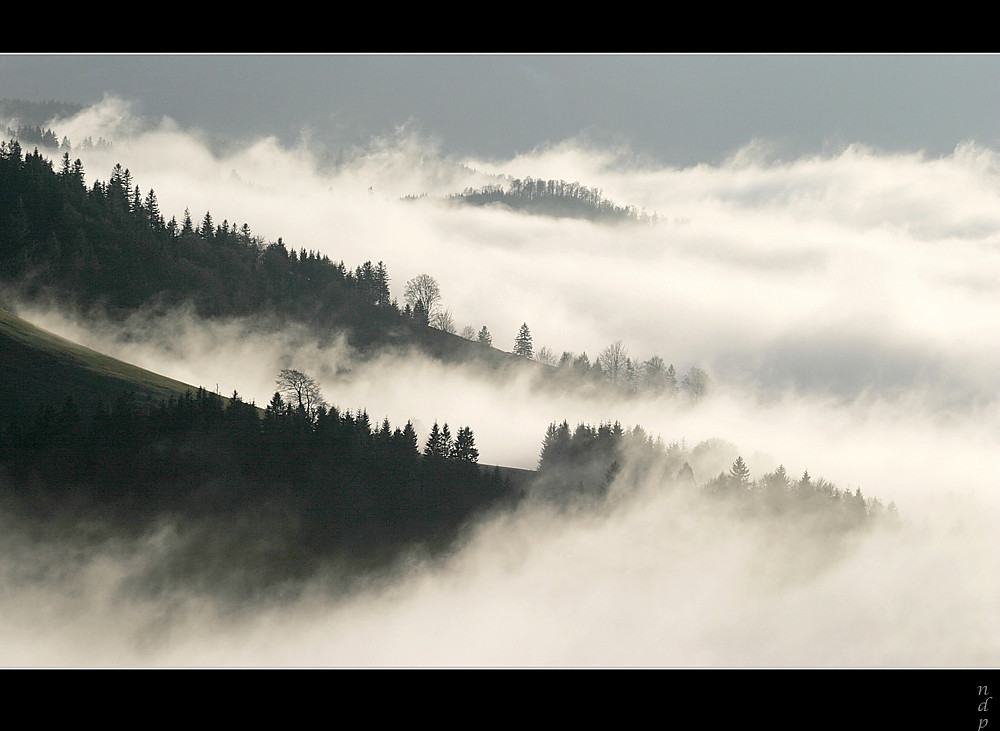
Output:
x,y
318,480
556,198
109,245
582,463
325,482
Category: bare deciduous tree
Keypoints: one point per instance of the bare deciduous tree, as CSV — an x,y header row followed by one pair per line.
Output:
x,y
424,289
444,321
546,356
299,388
695,383
612,360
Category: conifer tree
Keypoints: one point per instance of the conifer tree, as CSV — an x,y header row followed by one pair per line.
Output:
x,y
522,343
433,446
420,313
739,472
555,446
273,414
382,296
464,449
410,439
207,230
152,209
446,443
187,227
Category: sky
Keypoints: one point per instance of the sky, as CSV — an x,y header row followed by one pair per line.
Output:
x,y
680,109
826,247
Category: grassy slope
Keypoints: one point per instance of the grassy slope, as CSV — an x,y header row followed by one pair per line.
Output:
x,y
38,367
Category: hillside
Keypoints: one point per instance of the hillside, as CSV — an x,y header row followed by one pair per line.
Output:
x,y
272,494
40,368
109,250
555,198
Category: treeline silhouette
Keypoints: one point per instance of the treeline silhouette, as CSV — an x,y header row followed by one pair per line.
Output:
x,y
109,245
582,463
34,135
552,198
613,366
277,492
31,118
347,486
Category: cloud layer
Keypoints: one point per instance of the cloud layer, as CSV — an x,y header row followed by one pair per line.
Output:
x,y
843,305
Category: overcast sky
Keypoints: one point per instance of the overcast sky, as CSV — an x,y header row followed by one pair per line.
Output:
x,y
679,109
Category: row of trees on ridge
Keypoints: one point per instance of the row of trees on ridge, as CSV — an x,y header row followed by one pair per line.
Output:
x,y
111,245
552,198
587,460
349,481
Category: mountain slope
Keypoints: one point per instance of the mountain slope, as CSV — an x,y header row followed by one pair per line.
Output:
x,y
38,367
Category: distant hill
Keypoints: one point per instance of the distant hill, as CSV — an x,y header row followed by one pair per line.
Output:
x,y
555,198
31,113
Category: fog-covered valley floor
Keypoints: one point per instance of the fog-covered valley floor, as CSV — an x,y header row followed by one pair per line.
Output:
x,y
842,304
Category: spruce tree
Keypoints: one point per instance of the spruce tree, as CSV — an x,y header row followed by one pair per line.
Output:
x,y
555,445
410,440
739,472
207,230
464,449
433,446
187,227
522,343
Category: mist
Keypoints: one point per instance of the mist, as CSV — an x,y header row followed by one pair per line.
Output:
x,y
841,303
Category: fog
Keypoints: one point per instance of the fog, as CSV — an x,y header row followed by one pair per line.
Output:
x,y
841,303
